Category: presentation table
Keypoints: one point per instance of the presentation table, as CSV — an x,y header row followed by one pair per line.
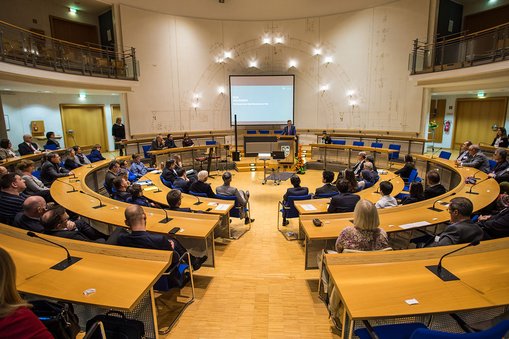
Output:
x,y
268,143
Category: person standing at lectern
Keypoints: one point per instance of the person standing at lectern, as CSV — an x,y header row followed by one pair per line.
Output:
x,y
289,129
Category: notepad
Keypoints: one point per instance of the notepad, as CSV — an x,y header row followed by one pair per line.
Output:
x,y
222,207
414,225
308,207
151,188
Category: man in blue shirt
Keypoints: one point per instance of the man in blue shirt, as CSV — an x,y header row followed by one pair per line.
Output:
x,y
137,167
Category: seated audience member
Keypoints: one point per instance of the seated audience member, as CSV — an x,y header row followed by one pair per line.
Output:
x,y
187,141
33,185
359,166
6,150
355,186
56,222
296,190
169,142
345,201
365,235
327,188
496,225
416,194
182,182
157,143
501,138
137,167
242,197
11,196
137,197
125,170
326,139
136,219
30,218
51,170
79,157
174,200
52,143
111,174
201,185
371,159
120,193
191,174
477,159
464,154
70,159
169,172
386,200
3,170
461,230
435,188
368,175
501,171
405,171
16,319
27,146
95,154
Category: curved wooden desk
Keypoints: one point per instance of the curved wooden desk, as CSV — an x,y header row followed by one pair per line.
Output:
x,y
197,226
401,218
164,154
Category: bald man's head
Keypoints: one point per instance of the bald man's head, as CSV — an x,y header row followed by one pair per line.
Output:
x,y
135,218
3,171
34,206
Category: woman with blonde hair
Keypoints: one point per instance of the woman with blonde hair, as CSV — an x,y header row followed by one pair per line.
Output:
x,y
365,235
16,320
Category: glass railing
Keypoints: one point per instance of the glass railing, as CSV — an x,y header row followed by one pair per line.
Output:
x,y
22,47
460,50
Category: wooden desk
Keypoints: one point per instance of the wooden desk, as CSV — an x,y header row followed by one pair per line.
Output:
x,y
11,163
375,285
193,226
103,267
267,143
348,149
165,154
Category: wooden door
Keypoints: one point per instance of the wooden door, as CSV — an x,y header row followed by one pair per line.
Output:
x,y
437,114
474,118
116,113
87,123
73,31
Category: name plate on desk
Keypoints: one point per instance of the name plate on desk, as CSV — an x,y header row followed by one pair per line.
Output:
x,y
264,156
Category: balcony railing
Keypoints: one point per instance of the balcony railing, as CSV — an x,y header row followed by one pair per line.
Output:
x,y
22,47
460,50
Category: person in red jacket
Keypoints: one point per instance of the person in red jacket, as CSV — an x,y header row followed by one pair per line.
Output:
x,y
16,319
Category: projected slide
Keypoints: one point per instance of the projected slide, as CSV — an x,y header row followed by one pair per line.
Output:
x,y
261,100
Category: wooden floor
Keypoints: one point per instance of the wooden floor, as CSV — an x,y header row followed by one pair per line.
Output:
x,y
259,288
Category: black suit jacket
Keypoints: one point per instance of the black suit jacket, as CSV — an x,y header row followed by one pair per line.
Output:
x,y
495,227
326,189
434,191
25,149
296,191
24,222
405,171
182,184
343,202
169,174
75,235
202,187
460,233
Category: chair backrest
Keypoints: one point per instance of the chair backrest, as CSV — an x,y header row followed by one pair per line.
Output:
x,y
394,155
210,142
412,176
291,211
264,131
51,147
176,279
338,142
377,145
493,163
234,212
251,131
445,155
358,143
497,331
166,183
146,148
279,131
326,195
37,174
196,194
348,250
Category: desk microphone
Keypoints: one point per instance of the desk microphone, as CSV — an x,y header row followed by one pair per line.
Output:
x,y
198,202
90,166
473,177
73,175
435,152
477,183
100,202
65,183
167,219
388,180
64,263
443,273
433,208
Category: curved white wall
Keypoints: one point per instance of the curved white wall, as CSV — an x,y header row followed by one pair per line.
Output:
x,y
369,49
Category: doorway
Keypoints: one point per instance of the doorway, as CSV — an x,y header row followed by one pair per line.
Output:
x,y
116,113
84,125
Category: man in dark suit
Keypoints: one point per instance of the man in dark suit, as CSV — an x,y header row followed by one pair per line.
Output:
x,y
289,129
435,188
296,190
169,172
327,188
51,170
118,133
201,185
461,230
27,146
464,155
182,182
477,159
496,225
174,200
30,219
359,166
344,201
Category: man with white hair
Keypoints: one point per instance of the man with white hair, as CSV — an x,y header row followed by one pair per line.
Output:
x,y
477,159
201,185
30,218
359,166
27,146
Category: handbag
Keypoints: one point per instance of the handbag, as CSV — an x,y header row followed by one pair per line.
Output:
x,y
117,326
58,317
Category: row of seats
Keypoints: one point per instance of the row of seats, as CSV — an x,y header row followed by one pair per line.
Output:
x,y
263,131
392,156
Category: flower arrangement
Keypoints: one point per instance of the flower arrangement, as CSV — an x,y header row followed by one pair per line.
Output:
x,y
300,165
432,125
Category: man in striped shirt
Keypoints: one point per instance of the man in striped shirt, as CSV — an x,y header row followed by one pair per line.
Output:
x,y
11,196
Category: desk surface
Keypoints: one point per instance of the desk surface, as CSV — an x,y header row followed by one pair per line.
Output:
x,y
103,267
379,287
182,149
354,148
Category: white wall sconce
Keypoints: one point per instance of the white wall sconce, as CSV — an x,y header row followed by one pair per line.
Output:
x,y
73,11
481,95
266,40
352,103
279,40
327,60
253,64
227,54
220,60
82,96
220,90
350,93
324,88
292,63
317,51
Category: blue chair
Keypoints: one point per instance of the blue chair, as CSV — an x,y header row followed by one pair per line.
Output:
x,y
146,148
251,131
51,147
131,176
210,142
493,163
399,331
196,194
325,195
395,155
377,145
358,143
37,174
235,212
338,142
445,155
166,183
109,190
411,178
279,131
287,208
264,131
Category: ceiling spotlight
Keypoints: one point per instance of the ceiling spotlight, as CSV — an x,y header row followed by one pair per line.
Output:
x,y
220,90
328,60
324,88
227,54
253,63
350,93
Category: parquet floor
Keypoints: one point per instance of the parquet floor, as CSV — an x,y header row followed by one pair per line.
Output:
x,y
259,288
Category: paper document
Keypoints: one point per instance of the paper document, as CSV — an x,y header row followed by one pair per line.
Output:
x,y
144,182
221,207
308,207
156,172
212,203
151,188
414,225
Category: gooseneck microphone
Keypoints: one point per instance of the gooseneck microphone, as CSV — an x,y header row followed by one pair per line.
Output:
x,y
443,273
64,263
100,202
167,219
388,180
477,183
198,202
65,183
435,152
433,208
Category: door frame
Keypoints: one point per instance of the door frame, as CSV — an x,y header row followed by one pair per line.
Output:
x,y
103,114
